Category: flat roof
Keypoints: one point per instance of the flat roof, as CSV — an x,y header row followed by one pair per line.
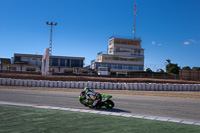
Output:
x,y
53,56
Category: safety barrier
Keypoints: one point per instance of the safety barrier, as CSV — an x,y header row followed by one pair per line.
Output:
x,y
100,85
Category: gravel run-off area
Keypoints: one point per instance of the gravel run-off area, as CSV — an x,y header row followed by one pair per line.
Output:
x,y
179,94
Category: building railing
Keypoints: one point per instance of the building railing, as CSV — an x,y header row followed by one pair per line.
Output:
x,y
125,37
93,60
102,52
140,55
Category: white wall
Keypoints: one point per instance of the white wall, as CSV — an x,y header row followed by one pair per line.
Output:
x,y
101,85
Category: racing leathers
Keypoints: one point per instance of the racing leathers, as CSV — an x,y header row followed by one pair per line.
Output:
x,y
93,95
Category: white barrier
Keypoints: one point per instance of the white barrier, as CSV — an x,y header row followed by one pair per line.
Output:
x,y
33,83
156,87
196,87
101,85
94,85
63,84
81,85
42,84
123,86
139,86
76,84
160,87
135,87
68,84
12,82
152,87
131,86
192,87
46,83
55,84
98,85
50,84
127,86
72,84
25,83
110,85
85,84
115,86
59,84
119,86
89,84
38,83
106,85
8,82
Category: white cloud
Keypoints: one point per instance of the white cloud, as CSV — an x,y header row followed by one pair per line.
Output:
x,y
155,44
192,40
186,43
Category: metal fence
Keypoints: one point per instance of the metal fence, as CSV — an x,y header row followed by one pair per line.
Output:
x,y
189,75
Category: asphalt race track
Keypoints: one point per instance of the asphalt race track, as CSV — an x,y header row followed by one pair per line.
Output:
x,y
180,108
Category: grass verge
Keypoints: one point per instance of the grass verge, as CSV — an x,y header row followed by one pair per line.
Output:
x,y
33,120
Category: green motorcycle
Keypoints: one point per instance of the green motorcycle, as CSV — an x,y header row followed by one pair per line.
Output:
x,y
104,101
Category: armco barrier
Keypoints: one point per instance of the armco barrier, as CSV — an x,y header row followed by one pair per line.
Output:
x,y
101,85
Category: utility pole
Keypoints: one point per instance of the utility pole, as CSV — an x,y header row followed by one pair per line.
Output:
x,y
50,43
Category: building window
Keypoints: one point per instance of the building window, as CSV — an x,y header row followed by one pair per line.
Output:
x,y
62,62
136,67
123,59
17,58
125,67
68,63
30,69
116,58
81,65
75,63
114,66
54,62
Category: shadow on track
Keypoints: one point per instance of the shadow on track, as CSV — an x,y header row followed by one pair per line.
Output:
x,y
113,110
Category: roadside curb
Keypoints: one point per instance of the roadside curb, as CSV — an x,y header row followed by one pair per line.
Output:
x,y
130,115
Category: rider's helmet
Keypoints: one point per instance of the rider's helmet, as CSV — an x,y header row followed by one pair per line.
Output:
x,y
86,89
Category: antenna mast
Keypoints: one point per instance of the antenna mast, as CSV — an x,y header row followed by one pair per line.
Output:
x,y
135,11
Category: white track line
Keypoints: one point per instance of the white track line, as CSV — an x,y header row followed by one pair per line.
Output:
x,y
191,122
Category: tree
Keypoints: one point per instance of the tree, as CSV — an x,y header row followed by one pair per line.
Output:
x,y
186,68
171,67
196,68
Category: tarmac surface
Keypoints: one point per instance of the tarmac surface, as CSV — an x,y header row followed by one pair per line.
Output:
x,y
170,107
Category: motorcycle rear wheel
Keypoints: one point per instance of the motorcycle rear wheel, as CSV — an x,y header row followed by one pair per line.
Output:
x,y
109,104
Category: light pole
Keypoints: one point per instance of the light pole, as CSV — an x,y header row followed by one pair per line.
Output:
x,y
50,42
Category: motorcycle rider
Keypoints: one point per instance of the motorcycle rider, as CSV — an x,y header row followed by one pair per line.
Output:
x,y
93,95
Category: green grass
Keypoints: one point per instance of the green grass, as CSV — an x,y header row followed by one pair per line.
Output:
x,y
33,120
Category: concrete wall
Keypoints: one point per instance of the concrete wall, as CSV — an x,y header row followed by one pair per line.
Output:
x,y
101,85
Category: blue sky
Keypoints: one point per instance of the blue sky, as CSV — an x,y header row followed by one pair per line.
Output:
x,y
170,29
